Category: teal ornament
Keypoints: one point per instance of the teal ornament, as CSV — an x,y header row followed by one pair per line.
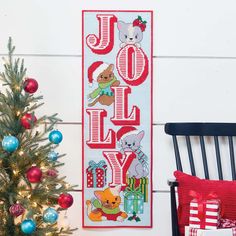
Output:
x,y
28,226
50,216
10,143
52,156
55,136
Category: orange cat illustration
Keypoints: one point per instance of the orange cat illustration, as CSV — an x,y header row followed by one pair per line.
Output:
x,y
106,205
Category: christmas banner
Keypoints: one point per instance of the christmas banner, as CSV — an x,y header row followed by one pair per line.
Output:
x,y
117,119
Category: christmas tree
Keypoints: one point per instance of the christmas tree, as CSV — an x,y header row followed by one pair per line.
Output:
x,y
32,194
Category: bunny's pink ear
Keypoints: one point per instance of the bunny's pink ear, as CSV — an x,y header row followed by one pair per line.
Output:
x,y
120,25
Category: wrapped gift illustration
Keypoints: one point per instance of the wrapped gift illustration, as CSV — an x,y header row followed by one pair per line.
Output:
x,y
96,174
204,212
142,183
133,201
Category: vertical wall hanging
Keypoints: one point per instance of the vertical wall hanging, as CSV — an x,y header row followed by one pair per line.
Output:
x,y
117,118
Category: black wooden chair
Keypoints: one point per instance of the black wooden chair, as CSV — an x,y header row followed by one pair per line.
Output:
x,y
187,130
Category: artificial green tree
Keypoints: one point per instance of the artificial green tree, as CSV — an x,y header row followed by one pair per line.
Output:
x,y
22,198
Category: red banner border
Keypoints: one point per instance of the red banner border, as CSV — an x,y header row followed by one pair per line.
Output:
x,y
151,128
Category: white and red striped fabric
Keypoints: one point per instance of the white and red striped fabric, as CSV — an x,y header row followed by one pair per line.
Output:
x,y
193,231
200,232
204,214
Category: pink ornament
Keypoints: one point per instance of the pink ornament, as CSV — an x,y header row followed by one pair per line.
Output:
x,y
65,200
52,173
16,210
34,174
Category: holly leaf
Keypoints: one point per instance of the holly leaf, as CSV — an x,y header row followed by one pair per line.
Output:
x,y
140,18
130,218
137,219
144,22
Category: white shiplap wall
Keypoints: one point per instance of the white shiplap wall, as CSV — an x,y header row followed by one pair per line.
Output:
x,y
194,75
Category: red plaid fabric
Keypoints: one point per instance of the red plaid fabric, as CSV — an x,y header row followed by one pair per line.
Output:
x,y
227,223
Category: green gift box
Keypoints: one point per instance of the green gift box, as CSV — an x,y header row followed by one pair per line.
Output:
x,y
139,183
144,188
133,201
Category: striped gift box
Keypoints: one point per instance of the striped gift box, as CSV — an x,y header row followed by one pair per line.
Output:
x,y
142,183
204,214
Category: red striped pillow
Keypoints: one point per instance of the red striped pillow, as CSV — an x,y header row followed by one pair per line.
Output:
x,y
225,190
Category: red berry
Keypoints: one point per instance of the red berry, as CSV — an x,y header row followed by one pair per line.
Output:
x,y
136,22
143,27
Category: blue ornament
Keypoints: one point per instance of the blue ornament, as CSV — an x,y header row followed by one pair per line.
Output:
x,y
28,226
50,215
55,137
52,156
10,143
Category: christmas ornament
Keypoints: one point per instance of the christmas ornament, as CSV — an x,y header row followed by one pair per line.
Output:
x,y
50,215
10,143
52,156
30,85
55,136
16,209
28,226
65,200
28,120
52,173
34,174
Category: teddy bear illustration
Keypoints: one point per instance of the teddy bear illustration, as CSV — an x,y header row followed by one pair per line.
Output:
x,y
103,74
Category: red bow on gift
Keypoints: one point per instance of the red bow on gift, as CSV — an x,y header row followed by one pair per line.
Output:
x,y
201,201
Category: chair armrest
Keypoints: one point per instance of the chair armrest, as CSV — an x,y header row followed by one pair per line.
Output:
x,y
172,183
